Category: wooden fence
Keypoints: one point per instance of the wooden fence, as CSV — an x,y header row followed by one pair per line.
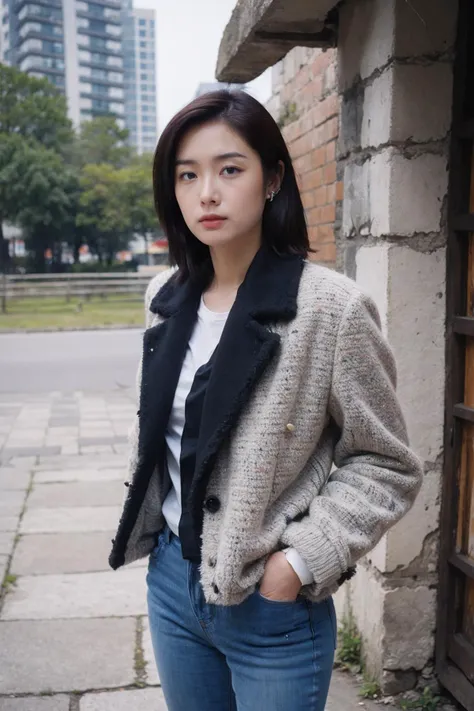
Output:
x,y
127,285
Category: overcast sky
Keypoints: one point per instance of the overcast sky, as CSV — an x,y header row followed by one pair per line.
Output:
x,y
188,36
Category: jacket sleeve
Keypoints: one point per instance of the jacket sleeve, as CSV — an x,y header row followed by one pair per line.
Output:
x,y
377,476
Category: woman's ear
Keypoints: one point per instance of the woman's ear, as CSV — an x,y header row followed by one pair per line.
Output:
x,y
274,184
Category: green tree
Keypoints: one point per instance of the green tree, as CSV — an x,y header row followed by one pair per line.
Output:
x,y
33,109
32,114
104,215
101,141
137,188
44,189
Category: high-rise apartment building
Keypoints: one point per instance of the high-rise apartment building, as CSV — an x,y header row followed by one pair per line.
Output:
x,y
100,53
140,76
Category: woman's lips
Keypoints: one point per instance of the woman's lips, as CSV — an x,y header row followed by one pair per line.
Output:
x,y
213,223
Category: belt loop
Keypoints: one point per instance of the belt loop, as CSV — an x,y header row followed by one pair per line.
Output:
x,y
167,534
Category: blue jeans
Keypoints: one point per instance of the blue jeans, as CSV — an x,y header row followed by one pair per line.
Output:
x,y
260,655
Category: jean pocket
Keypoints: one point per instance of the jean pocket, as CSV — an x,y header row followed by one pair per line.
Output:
x,y
160,542
275,602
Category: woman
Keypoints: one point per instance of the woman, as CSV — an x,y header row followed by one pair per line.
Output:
x,y
259,372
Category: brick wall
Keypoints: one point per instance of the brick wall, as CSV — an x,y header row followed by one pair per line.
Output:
x,y
305,103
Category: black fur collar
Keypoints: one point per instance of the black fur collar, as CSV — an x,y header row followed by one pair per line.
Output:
x,y
268,293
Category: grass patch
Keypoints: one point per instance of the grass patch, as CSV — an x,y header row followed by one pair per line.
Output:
x,y
427,701
57,313
369,689
9,581
349,648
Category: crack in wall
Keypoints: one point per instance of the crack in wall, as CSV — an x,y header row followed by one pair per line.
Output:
x,y
409,149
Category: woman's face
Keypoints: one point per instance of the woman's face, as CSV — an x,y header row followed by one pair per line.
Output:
x,y
219,186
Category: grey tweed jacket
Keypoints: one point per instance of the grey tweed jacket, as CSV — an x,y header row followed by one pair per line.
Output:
x,y
302,443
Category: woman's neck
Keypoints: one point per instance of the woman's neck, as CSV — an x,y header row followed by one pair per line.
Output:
x,y
230,263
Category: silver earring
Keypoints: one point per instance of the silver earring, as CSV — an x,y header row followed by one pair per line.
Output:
x,y
272,195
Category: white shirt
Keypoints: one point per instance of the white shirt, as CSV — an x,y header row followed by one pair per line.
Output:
x,y
204,340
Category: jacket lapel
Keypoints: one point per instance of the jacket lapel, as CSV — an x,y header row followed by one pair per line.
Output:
x,y
268,294
164,349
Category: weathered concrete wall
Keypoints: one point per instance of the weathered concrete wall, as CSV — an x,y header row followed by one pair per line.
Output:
x,y
305,102
395,79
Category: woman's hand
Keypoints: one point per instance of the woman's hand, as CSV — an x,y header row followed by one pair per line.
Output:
x,y
279,581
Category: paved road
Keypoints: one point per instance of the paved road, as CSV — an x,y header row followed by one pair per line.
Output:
x,y
68,361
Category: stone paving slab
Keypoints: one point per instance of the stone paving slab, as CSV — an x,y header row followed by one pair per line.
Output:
x,y
66,655
11,510
97,449
8,523
127,700
84,474
152,676
11,479
88,441
7,538
56,553
22,463
84,595
59,702
83,519
11,453
12,498
3,566
101,461
74,494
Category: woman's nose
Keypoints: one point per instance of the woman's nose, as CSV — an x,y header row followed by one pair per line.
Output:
x,y
209,193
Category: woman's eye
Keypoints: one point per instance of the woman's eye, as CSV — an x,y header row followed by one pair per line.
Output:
x,y
231,170
187,176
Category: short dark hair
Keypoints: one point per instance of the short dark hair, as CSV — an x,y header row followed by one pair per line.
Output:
x,y
283,225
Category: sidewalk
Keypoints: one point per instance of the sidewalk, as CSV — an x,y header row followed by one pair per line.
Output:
x,y
73,633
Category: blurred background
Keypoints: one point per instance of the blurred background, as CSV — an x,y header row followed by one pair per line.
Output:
x,y
85,89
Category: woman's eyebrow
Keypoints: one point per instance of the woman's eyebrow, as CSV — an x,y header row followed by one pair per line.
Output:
x,y
223,156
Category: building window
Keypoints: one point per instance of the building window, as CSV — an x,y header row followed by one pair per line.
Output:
x,y
143,65
98,89
142,33
97,26
115,61
53,47
113,46
99,73
142,23
144,77
143,45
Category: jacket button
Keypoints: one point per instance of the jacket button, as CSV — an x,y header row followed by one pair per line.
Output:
x,y
126,483
212,504
138,413
215,588
212,562
113,541
290,427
